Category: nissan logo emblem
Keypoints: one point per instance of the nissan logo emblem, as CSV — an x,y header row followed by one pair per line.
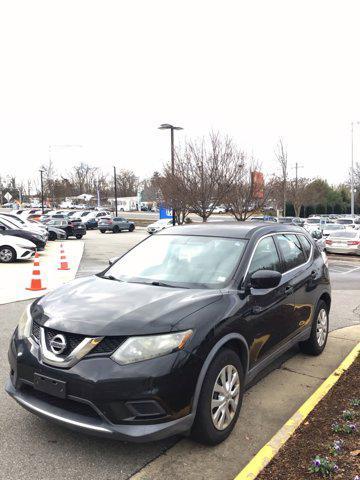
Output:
x,y
58,344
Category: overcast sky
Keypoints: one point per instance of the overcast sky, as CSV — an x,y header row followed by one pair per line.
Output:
x,y
104,74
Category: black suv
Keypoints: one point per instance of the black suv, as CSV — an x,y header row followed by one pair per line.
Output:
x,y
165,340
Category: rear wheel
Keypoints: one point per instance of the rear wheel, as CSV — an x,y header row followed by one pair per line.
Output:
x,y
319,331
220,399
52,236
7,254
116,229
131,228
102,231
79,236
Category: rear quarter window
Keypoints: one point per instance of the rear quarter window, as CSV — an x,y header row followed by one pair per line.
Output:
x,y
291,250
306,245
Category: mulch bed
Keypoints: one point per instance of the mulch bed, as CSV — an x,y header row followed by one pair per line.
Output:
x,y
316,436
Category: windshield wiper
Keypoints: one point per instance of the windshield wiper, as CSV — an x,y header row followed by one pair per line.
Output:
x,y
158,283
111,277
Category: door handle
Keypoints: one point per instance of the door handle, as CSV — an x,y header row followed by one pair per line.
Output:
x,y
313,274
289,290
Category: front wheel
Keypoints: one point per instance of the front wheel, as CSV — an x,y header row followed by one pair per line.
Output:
x,y
52,236
7,254
220,399
131,228
102,231
319,331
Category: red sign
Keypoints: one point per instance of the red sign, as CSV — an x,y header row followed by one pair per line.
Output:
x,y
257,185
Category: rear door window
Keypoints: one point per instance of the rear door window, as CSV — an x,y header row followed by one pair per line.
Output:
x,y
291,250
265,257
306,245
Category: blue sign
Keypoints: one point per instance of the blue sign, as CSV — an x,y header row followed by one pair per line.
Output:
x,y
165,212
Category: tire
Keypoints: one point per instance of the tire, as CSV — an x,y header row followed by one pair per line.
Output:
x,y
102,231
52,236
7,254
204,429
316,343
79,237
131,228
116,229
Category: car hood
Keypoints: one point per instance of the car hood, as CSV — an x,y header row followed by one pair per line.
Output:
x,y
96,306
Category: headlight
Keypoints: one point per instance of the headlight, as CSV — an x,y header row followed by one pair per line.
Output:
x,y
24,327
137,349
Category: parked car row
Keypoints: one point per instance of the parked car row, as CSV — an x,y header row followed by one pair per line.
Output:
x,y
20,239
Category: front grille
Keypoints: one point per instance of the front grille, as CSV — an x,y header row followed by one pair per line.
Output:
x,y
106,347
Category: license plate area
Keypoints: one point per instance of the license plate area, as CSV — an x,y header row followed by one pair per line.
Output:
x,y
49,385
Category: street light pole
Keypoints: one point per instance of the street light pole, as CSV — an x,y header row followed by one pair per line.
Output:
x,y
115,192
352,171
42,191
167,126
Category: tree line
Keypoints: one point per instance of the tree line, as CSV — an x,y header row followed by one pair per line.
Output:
x,y
208,172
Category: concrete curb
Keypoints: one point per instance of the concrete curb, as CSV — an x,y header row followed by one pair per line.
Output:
x,y
267,453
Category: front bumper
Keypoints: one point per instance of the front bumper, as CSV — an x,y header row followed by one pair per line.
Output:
x,y
99,426
100,395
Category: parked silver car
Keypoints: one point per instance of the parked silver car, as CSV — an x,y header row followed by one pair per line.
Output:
x,y
115,224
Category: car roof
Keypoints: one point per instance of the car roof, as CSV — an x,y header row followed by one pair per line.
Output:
x,y
231,229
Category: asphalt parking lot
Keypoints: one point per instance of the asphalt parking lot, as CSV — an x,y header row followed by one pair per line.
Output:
x,y
32,448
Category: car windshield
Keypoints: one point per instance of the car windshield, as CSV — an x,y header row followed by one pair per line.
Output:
x,y
335,227
285,220
313,220
345,234
181,261
345,221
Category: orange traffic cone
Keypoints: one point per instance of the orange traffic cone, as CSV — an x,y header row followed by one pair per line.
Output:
x,y
63,262
35,284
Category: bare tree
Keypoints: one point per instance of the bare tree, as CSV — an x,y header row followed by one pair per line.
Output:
x,y
244,198
204,172
299,193
282,158
127,183
172,192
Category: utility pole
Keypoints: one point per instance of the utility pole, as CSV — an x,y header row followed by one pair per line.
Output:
x,y
115,192
297,166
42,191
352,186
167,126
98,193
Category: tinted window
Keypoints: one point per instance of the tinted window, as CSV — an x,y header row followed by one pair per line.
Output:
x,y
306,245
265,257
291,250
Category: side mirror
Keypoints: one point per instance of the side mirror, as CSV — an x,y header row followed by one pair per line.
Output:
x,y
265,279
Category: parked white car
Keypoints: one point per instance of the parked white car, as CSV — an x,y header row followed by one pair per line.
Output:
x,y
15,248
30,225
345,241
159,225
349,222
332,228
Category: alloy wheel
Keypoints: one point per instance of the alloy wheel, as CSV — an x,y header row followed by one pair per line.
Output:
x,y
225,397
321,327
6,255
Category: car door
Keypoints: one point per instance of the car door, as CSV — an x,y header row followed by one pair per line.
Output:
x,y
301,274
267,311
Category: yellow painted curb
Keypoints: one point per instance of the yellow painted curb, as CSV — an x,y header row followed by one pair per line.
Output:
x,y
267,453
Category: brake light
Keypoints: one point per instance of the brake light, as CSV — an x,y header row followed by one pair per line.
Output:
x,y
328,242
353,242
